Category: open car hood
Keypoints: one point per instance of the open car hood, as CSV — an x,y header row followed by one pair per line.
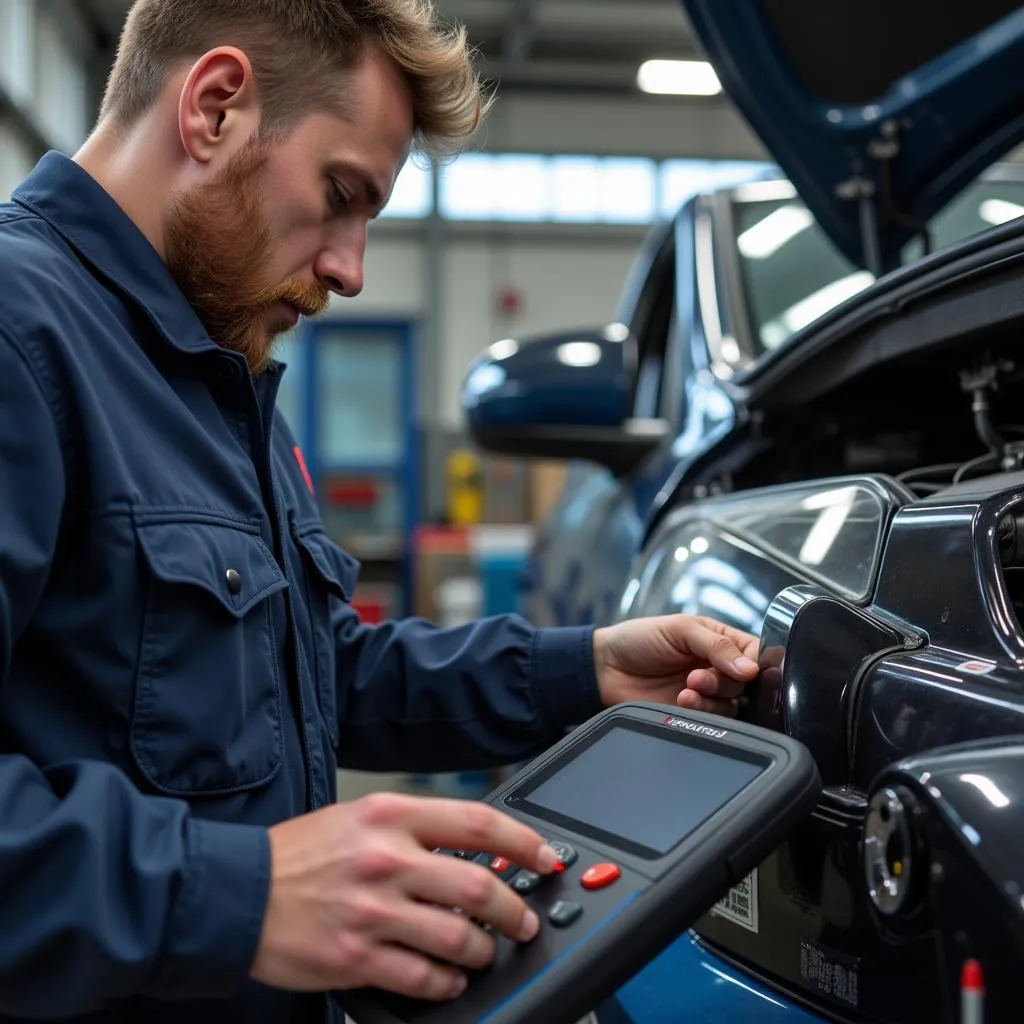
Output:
x,y
879,111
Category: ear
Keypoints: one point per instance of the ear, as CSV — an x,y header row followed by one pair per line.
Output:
x,y
218,109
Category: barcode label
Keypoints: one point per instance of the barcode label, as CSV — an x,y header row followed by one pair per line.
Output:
x,y
739,904
830,972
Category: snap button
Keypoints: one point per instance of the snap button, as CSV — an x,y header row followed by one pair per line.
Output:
x,y
234,581
225,368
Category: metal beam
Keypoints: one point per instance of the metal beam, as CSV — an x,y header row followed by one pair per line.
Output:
x,y
650,20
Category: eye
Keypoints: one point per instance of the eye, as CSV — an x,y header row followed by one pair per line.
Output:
x,y
337,199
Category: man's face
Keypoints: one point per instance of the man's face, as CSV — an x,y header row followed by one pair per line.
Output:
x,y
283,224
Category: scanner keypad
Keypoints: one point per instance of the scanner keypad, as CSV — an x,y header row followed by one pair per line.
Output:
x,y
562,912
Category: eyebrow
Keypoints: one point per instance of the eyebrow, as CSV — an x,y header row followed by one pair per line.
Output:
x,y
371,190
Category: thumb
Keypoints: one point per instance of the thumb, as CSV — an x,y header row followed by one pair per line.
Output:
x,y
731,651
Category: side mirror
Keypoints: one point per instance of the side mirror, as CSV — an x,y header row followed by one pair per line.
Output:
x,y
559,396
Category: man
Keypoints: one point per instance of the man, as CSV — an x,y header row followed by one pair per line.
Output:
x,y
179,667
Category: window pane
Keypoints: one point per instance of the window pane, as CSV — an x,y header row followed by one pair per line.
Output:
x,y
411,195
576,188
532,188
627,194
466,188
680,179
520,188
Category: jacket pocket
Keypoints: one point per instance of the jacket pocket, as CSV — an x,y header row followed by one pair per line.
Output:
x,y
207,712
330,576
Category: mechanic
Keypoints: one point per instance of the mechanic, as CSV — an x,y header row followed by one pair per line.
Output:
x,y
179,663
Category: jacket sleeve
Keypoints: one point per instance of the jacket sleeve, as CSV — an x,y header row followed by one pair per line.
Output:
x,y
416,697
106,892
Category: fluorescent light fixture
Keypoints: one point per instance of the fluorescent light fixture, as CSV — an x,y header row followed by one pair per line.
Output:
x,y
1000,211
678,78
771,233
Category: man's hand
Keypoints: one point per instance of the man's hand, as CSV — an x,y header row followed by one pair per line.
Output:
x,y
687,660
357,898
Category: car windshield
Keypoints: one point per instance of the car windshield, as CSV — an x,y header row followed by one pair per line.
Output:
x,y
792,273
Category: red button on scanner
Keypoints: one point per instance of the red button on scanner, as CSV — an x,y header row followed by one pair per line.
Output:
x,y
499,865
597,876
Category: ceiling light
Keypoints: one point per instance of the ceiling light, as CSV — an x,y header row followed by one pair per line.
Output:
x,y
678,78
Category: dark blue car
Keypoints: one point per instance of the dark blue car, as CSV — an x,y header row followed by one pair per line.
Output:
x,y
722,299
807,423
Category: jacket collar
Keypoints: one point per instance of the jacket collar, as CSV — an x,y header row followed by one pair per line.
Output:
x,y
76,206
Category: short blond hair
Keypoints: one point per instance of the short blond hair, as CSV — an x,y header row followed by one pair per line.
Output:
x,y
294,46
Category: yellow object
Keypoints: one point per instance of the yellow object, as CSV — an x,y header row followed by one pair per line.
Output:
x,y
465,488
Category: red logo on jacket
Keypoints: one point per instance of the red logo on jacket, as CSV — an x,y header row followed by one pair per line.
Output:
x,y
301,460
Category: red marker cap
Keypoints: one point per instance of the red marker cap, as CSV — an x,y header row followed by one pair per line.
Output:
x,y
971,979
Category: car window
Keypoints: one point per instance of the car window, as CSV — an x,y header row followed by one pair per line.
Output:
x,y
650,327
791,273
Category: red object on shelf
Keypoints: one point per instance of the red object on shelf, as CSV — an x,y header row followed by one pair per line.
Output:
x,y
362,493
369,610
442,540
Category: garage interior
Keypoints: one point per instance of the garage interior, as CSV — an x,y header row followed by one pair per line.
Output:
x,y
533,230
590,214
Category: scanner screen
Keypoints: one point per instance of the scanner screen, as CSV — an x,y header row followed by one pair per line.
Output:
x,y
642,787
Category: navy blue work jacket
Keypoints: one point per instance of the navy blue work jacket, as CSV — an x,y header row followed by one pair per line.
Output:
x,y
179,664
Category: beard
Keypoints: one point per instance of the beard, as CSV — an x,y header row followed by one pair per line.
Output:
x,y
218,245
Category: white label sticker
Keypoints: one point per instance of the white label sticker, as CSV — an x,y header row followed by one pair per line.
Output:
x,y
739,904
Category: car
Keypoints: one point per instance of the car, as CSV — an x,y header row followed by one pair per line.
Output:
x,y
858,502
726,295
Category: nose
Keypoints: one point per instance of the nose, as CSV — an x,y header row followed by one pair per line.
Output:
x,y
339,265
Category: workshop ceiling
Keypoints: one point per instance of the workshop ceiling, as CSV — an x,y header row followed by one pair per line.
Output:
x,y
553,46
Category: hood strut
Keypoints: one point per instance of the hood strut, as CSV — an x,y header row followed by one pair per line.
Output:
x,y
876,205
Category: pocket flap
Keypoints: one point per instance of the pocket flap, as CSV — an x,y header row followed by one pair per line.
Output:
x,y
230,563
337,568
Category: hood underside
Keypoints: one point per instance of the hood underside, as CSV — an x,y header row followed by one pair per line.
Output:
x,y
879,111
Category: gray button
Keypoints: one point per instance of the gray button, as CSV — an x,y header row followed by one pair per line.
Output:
x,y
564,913
234,581
525,882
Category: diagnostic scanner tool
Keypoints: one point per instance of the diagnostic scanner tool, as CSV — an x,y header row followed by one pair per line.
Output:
x,y
654,812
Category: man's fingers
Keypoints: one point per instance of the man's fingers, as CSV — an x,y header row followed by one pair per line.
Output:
x,y
693,701
732,652
411,974
444,934
709,682
461,825
479,893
